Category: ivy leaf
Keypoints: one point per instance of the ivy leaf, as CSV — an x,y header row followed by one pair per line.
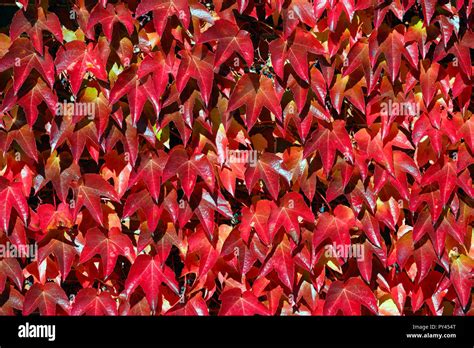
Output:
x,y
109,247
382,153
295,50
159,66
358,57
257,218
143,201
107,17
100,104
196,306
327,141
129,83
163,10
424,225
150,172
424,257
188,168
63,251
335,226
45,22
198,64
428,78
292,209
388,212
297,11
91,302
462,53
371,227
282,262
348,298
392,48
31,100
268,169
26,139
254,92
88,194
11,196
445,174
229,39
429,7
461,277
77,58
10,268
206,208
149,273
238,303
467,133
23,58
46,298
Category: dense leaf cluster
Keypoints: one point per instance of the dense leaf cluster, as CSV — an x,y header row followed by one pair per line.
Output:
x,y
270,157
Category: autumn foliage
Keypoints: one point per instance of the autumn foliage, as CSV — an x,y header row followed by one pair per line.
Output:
x,y
249,157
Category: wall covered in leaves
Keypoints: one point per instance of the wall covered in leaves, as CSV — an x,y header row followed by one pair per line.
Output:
x,y
269,157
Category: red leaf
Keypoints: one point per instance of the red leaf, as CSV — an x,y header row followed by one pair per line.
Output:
x,y
295,50
10,268
142,200
268,169
292,209
45,22
229,39
150,172
11,196
257,218
348,297
424,257
31,100
164,9
429,7
327,141
236,302
109,247
89,192
297,11
129,83
255,93
198,64
23,58
282,262
461,277
46,298
428,80
335,227
187,169
107,17
194,307
77,58
90,302
64,253
149,273
392,48
445,175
